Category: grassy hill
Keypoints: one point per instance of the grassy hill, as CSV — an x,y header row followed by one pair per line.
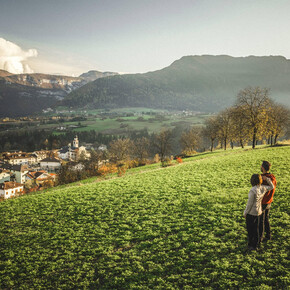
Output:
x,y
178,227
201,83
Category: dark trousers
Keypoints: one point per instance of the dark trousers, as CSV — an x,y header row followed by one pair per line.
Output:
x,y
265,223
253,223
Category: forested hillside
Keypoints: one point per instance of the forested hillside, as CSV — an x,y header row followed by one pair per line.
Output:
x,y
173,228
201,83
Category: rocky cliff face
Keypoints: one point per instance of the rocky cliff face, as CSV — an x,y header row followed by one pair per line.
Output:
x,y
45,81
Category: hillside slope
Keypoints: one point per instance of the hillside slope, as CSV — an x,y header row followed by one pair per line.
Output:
x,y
165,228
201,83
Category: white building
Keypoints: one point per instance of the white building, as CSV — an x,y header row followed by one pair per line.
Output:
x,y
40,155
10,188
72,152
16,158
50,164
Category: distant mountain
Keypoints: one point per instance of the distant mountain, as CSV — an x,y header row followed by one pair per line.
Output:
x,y
24,94
92,75
201,83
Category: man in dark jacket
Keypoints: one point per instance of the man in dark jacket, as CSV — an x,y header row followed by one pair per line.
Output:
x,y
264,227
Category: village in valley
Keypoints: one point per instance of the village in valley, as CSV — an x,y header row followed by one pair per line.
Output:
x,y
24,172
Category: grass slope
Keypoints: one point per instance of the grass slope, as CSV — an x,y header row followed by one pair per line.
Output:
x,y
179,227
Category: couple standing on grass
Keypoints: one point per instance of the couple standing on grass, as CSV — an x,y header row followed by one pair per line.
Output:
x,y
258,206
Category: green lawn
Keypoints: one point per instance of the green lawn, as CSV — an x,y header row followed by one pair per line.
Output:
x,y
154,228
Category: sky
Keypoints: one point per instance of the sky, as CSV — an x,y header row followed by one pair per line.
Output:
x,y
70,37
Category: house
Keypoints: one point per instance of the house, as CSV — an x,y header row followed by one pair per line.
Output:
x,y
40,155
4,175
32,159
50,164
10,188
76,166
16,158
102,147
38,178
18,171
72,152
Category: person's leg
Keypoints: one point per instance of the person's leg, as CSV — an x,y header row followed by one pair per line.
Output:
x,y
262,224
250,229
267,223
256,236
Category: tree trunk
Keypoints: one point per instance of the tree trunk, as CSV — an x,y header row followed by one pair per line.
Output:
x,y
275,140
232,144
242,144
254,138
211,148
225,140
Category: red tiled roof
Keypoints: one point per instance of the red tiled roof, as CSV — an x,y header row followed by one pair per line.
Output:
x,y
10,184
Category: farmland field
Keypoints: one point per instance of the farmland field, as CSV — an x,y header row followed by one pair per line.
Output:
x,y
163,228
113,125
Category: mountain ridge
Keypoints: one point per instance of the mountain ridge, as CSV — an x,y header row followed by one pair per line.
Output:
x,y
203,83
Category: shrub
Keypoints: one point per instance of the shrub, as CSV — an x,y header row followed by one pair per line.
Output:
x,y
166,162
156,158
107,169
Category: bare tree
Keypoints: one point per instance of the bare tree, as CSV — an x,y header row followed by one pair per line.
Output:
x,y
189,140
278,121
120,149
240,127
162,143
224,126
253,103
210,130
141,148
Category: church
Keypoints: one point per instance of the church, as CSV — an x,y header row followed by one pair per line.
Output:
x,y
72,152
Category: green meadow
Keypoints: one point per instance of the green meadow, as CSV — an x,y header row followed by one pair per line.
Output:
x,y
118,125
154,228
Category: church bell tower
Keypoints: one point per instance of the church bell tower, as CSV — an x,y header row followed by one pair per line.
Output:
x,y
76,142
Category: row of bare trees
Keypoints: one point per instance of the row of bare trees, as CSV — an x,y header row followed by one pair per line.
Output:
x,y
161,144
253,117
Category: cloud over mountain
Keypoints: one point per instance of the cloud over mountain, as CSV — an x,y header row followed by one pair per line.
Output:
x,y
13,58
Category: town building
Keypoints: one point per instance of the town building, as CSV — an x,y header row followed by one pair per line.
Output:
x,y
16,158
40,155
50,164
4,175
9,189
72,152
38,178
17,171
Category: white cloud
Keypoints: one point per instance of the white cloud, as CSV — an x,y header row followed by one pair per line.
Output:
x,y
13,57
